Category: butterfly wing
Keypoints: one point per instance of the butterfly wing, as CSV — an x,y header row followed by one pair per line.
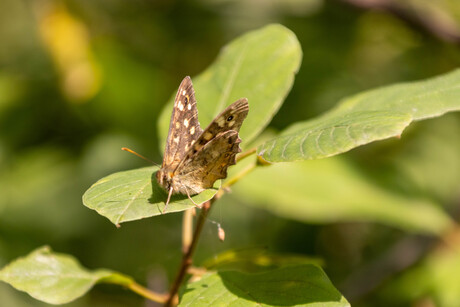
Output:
x,y
211,154
230,119
184,128
210,163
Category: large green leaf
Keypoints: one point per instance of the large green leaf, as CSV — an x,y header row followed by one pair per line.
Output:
x,y
135,194
331,190
364,118
260,66
302,285
254,260
55,278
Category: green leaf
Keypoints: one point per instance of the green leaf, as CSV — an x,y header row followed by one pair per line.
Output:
x,y
254,260
260,66
370,116
303,285
427,162
331,190
54,278
135,194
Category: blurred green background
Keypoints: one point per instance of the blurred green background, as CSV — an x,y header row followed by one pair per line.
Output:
x,y
81,79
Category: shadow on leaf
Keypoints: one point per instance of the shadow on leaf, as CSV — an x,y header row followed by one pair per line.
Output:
x,y
159,197
293,285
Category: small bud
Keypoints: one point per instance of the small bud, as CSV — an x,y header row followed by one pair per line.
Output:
x,y
220,233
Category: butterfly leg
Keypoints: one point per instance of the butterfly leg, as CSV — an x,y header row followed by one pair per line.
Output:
x,y
169,198
189,197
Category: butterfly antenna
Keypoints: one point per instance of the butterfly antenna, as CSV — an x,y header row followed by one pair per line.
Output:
x,y
139,155
169,198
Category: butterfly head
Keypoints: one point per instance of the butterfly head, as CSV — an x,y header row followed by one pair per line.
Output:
x,y
165,178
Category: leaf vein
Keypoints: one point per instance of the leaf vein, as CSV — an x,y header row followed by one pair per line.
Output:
x,y
273,146
347,132
285,146
302,142
317,142
131,201
114,187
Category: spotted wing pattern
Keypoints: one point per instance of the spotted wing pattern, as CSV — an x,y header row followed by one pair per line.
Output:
x,y
210,163
230,119
215,149
194,159
184,128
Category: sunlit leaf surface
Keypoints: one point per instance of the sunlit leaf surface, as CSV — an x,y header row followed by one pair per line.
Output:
x,y
53,278
260,66
135,194
370,116
303,285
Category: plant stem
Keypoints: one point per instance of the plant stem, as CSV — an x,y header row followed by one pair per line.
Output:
x,y
245,154
187,229
238,176
135,287
187,257
188,248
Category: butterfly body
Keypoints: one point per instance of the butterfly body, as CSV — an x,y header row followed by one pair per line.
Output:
x,y
194,158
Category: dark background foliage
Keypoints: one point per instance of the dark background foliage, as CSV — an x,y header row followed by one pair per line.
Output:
x,y
80,79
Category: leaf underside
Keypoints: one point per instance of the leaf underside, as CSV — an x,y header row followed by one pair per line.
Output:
x,y
367,117
332,190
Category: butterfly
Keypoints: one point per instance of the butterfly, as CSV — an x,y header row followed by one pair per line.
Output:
x,y
195,158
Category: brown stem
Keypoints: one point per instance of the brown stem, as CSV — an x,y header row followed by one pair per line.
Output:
x,y
187,257
187,229
189,248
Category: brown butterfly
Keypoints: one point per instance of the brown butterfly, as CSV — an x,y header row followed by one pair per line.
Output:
x,y
194,159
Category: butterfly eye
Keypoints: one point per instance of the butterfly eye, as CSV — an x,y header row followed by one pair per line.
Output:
x,y
230,118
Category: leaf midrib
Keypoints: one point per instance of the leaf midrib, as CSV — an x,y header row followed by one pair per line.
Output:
x,y
135,196
230,81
